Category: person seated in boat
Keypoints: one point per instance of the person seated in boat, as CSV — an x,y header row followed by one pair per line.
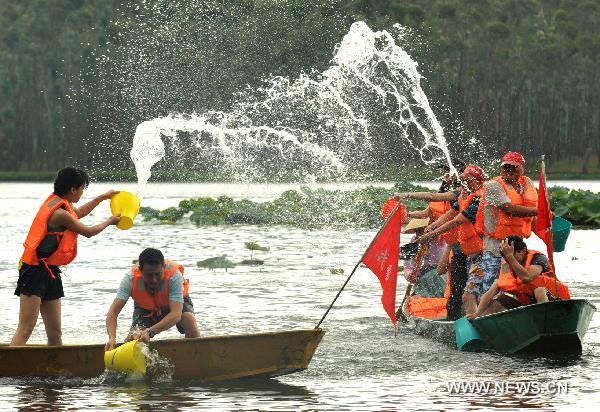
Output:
x,y
160,296
462,216
50,243
525,278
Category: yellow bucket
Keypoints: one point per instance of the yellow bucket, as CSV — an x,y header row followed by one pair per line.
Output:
x,y
126,358
128,205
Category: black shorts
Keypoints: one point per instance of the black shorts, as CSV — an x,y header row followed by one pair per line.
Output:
x,y
140,317
36,281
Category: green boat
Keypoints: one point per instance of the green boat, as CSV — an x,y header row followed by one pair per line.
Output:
x,y
550,328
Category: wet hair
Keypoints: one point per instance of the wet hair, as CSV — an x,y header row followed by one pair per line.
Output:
x,y
151,256
517,242
68,178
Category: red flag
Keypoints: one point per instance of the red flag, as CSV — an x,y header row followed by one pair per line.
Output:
x,y
544,219
382,258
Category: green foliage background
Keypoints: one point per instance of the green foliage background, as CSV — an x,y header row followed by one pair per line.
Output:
x,y
518,74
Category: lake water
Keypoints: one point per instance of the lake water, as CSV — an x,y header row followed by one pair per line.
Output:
x,y
359,364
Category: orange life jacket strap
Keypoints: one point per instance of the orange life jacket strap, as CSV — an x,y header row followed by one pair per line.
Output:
x,y
48,268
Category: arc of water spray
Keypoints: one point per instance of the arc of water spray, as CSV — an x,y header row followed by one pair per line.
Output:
x,y
354,64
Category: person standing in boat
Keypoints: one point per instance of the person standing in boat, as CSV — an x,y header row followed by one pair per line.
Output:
x,y
438,208
525,278
507,209
50,243
160,296
463,216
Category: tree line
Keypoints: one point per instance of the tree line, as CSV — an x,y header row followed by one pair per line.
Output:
x,y
77,76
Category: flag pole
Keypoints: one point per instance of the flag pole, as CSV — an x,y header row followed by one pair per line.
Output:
x,y
418,262
359,262
551,233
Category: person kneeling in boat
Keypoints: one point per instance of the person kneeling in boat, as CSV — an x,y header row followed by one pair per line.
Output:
x,y
160,297
525,278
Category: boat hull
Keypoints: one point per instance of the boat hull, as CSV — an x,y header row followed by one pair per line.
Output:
x,y
552,327
206,359
556,327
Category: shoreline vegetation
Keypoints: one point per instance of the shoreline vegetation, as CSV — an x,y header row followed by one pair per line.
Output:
x,y
315,208
319,207
77,77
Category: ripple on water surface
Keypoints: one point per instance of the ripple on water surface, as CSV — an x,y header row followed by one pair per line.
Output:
x,y
359,364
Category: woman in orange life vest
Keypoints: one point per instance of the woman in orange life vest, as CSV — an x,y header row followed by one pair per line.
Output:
x,y
525,278
463,217
52,242
437,209
472,177
160,297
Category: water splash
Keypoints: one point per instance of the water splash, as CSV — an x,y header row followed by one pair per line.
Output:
x,y
322,125
159,369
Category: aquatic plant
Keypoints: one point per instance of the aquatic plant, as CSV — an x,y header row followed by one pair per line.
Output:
x,y
218,262
336,208
580,207
255,246
252,262
304,208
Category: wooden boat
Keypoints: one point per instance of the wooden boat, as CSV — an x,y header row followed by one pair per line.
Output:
x,y
206,359
556,327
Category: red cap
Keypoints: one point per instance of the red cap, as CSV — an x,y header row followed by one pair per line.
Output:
x,y
513,158
475,172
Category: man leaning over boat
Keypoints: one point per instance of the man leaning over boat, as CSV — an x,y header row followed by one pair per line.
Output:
x,y
525,278
160,297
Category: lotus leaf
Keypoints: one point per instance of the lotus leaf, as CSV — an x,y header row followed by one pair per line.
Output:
x,y
252,262
219,262
255,246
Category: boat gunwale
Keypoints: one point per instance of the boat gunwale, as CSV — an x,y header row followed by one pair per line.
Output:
x,y
41,346
531,305
504,312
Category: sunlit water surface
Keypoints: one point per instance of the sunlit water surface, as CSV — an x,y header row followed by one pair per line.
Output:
x,y
359,364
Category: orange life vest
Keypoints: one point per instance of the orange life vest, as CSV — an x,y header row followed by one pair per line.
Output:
x,y
470,241
437,210
159,300
510,225
524,292
430,308
67,240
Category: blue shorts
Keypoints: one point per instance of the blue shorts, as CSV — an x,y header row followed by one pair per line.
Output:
x,y
475,278
484,269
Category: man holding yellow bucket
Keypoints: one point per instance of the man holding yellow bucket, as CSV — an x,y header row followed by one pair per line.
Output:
x,y
160,297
